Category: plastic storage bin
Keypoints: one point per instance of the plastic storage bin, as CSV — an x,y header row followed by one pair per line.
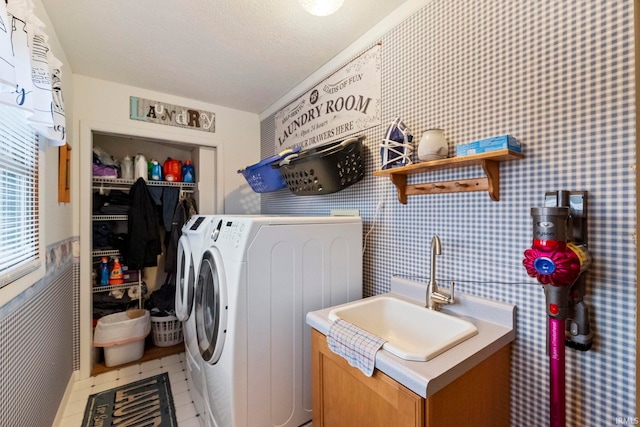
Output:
x,y
326,169
166,331
262,177
122,336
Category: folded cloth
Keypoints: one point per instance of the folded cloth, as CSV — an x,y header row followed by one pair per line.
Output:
x,y
356,345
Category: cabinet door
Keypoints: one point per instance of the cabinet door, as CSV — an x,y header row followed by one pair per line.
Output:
x,y
479,398
344,396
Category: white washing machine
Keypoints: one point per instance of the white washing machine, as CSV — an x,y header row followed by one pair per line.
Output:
x,y
190,246
258,279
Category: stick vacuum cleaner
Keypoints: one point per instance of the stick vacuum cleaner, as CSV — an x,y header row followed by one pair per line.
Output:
x,y
558,259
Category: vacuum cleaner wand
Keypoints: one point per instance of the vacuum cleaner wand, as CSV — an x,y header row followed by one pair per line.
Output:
x,y
558,259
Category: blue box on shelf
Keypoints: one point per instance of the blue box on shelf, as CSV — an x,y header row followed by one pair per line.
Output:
x,y
502,142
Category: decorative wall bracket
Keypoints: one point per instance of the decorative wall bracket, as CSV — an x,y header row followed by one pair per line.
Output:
x,y
490,163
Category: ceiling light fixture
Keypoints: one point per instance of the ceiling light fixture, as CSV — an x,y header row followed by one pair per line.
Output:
x,y
321,7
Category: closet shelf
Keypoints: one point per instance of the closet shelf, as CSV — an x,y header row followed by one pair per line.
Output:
x,y
106,252
110,217
101,182
490,163
99,289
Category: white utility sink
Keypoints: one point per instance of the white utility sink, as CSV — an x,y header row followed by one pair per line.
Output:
x,y
412,332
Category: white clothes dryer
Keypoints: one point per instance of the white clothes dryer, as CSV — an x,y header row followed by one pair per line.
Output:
x,y
258,278
190,247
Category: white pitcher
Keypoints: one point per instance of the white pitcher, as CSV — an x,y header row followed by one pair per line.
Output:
x,y
433,145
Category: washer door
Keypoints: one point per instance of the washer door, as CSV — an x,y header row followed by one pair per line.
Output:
x,y
185,280
211,306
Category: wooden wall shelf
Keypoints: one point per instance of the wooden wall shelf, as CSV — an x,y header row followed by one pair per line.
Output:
x,y
490,163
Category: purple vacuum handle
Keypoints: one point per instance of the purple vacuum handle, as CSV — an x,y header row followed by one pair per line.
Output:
x,y
557,372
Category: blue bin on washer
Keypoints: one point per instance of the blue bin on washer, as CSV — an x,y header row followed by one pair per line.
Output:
x,y
262,177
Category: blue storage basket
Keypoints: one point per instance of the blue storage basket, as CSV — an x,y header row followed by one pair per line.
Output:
x,y
262,177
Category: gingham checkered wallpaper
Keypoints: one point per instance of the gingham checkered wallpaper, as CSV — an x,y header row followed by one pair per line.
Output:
x,y
35,356
559,76
38,344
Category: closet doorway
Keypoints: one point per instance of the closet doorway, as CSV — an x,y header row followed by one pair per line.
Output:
x,y
119,141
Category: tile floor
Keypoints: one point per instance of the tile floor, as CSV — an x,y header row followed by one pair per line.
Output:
x,y
176,367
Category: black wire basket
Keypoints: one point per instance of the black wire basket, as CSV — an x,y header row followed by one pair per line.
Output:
x,y
324,170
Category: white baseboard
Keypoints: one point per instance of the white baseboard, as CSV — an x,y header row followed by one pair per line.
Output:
x,y
65,399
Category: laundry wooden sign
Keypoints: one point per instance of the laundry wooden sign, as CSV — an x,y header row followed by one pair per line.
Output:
x,y
345,103
162,113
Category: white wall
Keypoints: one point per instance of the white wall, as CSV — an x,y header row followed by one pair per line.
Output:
x,y
237,132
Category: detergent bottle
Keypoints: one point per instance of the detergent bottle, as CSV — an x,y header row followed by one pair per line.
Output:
x,y
188,173
104,271
156,171
116,278
140,166
172,170
127,168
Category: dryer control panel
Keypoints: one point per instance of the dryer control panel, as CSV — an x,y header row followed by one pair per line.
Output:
x,y
198,220
229,232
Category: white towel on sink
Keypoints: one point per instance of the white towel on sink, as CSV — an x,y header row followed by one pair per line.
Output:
x,y
355,344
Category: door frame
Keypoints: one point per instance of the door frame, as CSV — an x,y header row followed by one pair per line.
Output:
x,y
87,129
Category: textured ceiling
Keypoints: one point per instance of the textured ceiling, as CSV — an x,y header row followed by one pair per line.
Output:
x,y
241,54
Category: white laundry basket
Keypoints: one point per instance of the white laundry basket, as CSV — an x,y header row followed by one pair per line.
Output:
x,y
166,330
122,336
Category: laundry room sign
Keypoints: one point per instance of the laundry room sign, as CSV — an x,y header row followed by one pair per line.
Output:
x,y
162,113
347,102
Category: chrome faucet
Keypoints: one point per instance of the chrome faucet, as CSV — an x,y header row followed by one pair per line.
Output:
x,y
435,298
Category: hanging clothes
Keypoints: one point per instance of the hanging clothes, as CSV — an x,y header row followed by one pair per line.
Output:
x,y
185,208
167,198
143,228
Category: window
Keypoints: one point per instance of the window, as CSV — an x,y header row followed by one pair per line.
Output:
x,y
19,217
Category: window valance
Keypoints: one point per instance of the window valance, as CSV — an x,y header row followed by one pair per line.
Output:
x,y
30,75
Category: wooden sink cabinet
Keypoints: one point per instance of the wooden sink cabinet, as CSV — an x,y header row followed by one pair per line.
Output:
x,y
344,397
